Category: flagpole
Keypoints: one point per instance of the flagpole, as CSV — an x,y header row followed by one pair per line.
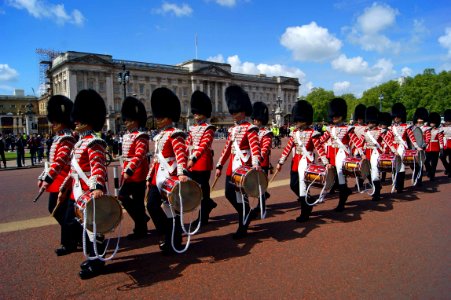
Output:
x,y
195,43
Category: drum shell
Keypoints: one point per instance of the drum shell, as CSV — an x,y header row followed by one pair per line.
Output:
x,y
411,157
320,175
246,180
389,163
108,212
353,166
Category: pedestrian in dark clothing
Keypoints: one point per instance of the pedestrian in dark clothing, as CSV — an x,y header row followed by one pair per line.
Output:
x,y
20,151
2,150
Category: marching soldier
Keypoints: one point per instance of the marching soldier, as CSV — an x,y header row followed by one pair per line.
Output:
x,y
260,118
446,157
199,143
135,147
399,133
420,117
359,124
169,161
58,113
88,171
243,148
304,140
435,145
337,139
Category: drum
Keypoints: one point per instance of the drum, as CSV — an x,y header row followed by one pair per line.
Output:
x,y
320,176
246,180
389,163
191,193
353,166
108,212
411,157
418,134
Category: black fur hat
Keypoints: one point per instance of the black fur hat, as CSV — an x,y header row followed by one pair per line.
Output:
x,y
447,115
133,109
238,100
260,112
59,109
201,104
89,108
435,118
165,104
420,113
359,112
372,115
399,110
385,118
337,108
302,111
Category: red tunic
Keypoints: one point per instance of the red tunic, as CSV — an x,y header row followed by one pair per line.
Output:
x,y
170,143
59,158
199,143
246,137
310,140
380,136
446,136
265,139
135,146
434,140
403,132
343,133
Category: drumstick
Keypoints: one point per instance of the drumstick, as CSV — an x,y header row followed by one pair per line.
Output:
x,y
214,183
41,191
58,204
274,176
146,195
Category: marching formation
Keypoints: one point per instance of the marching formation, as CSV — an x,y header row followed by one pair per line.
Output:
x,y
173,190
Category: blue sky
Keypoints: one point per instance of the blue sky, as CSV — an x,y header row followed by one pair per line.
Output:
x,y
344,46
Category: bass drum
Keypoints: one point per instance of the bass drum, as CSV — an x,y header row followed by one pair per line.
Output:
x,y
108,212
246,180
191,193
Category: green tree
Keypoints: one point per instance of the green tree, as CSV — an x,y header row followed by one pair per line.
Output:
x,y
319,98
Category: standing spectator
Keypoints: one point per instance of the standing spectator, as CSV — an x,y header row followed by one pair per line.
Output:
x,y
33,146
40,144
20,151
2,150
48,143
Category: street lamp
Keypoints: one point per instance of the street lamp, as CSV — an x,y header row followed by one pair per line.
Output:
x,y
381,97
278,101
123,78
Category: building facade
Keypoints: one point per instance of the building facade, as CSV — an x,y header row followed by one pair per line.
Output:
x,y
75,71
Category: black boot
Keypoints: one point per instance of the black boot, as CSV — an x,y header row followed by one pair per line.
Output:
x,y
242,227
306,210
207,206
92,268
344,193
400,177
377,190
166,245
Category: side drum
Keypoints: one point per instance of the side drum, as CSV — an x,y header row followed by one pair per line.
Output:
x,y
108,212
353,166
389,163
190,191
412,157
320,176
247,180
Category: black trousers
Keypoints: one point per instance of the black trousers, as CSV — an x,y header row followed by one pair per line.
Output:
x,y
230,193
431,164
203,178
71,229
131,195
294,186
446,161
155,211
2,155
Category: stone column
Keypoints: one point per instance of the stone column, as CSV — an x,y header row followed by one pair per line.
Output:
x,y
72,92
216,98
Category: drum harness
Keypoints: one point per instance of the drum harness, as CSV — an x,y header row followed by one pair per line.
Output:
x,y
404,144
241,157
164,163
81,175
379,147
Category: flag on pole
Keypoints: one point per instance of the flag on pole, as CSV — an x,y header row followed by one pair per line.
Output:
x,y
195,43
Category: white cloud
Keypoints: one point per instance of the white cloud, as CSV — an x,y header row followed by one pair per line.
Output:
x,y
355,66
218,58
406,72
228,3
7,73
41,9
172,8
368,29
306,88
310,42
445,40
380,72
341,87
6,88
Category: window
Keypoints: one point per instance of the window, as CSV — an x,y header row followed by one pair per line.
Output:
x,y
101,87
80,85
141,88
13,106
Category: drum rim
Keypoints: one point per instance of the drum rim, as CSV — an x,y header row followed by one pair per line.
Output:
x,y
89,226
171,195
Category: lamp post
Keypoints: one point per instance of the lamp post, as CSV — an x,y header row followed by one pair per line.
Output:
x,y
381,97
278,101
123,78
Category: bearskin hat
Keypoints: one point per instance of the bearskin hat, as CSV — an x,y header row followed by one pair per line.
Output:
x,y
338,108
385,118
133,109
372,115
238,100
447,115
165,104
260,112
359,112
399,110
420,113
59,109
302,111
201,104
435,118
89,108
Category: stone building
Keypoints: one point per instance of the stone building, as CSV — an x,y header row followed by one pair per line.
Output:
x,y
74,71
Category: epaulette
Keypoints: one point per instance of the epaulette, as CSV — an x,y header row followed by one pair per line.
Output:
x,y
252,127
316,134
210,126
351,128
67,138
96,141
177,132
143,134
